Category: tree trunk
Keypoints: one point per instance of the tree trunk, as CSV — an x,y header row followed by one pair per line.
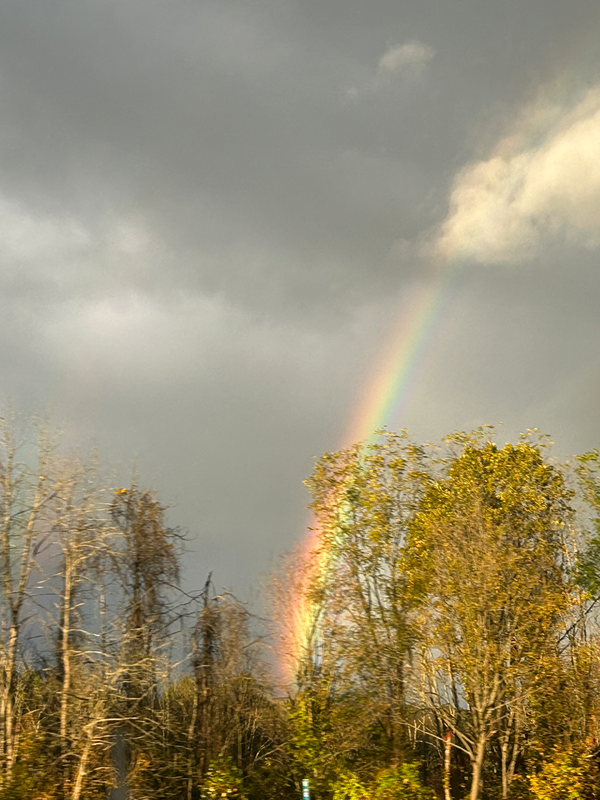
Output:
x,y
191,751
82,769
504,760
65,664
8,750
509,762
477,768
447,750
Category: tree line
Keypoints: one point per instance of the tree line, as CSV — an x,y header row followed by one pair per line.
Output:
x,y
453,653
455,650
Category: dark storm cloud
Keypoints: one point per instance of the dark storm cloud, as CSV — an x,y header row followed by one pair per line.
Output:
x,y
231,122
209,211
218,129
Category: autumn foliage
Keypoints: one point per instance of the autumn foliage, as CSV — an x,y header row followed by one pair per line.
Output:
x,y
454,651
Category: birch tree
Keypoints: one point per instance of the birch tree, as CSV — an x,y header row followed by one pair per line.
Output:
x,y
81,533
26,487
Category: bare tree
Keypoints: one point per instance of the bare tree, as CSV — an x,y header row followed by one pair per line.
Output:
x,y
81,533
26,487
148,569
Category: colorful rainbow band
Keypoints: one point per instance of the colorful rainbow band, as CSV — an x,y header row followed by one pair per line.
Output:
x,y
387,399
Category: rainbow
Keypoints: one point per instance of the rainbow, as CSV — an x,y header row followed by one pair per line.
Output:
x,y
395,377
389,392
404,358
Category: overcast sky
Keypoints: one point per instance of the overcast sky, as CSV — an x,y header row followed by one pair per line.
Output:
x,y
212,213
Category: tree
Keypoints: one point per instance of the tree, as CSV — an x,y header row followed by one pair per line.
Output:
x,y
80,531
148,568
233,716
145,561
442,585
363,500
26,487
488,543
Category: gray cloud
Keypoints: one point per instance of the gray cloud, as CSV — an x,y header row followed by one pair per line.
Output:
x,y
412,55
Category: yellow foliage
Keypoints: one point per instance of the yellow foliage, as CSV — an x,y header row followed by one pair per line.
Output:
x,y
569,774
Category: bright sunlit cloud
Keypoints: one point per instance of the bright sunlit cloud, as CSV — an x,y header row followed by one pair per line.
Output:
x,y
540,184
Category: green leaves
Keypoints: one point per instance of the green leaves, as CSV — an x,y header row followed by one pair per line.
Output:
x,y
223,781
395,783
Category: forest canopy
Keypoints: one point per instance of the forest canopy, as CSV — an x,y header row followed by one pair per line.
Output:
x,y
449,647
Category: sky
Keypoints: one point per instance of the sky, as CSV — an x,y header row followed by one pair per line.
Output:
x,y
215,216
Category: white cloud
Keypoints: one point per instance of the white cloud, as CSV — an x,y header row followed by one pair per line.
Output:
x,y
412,54
26,237
540,182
